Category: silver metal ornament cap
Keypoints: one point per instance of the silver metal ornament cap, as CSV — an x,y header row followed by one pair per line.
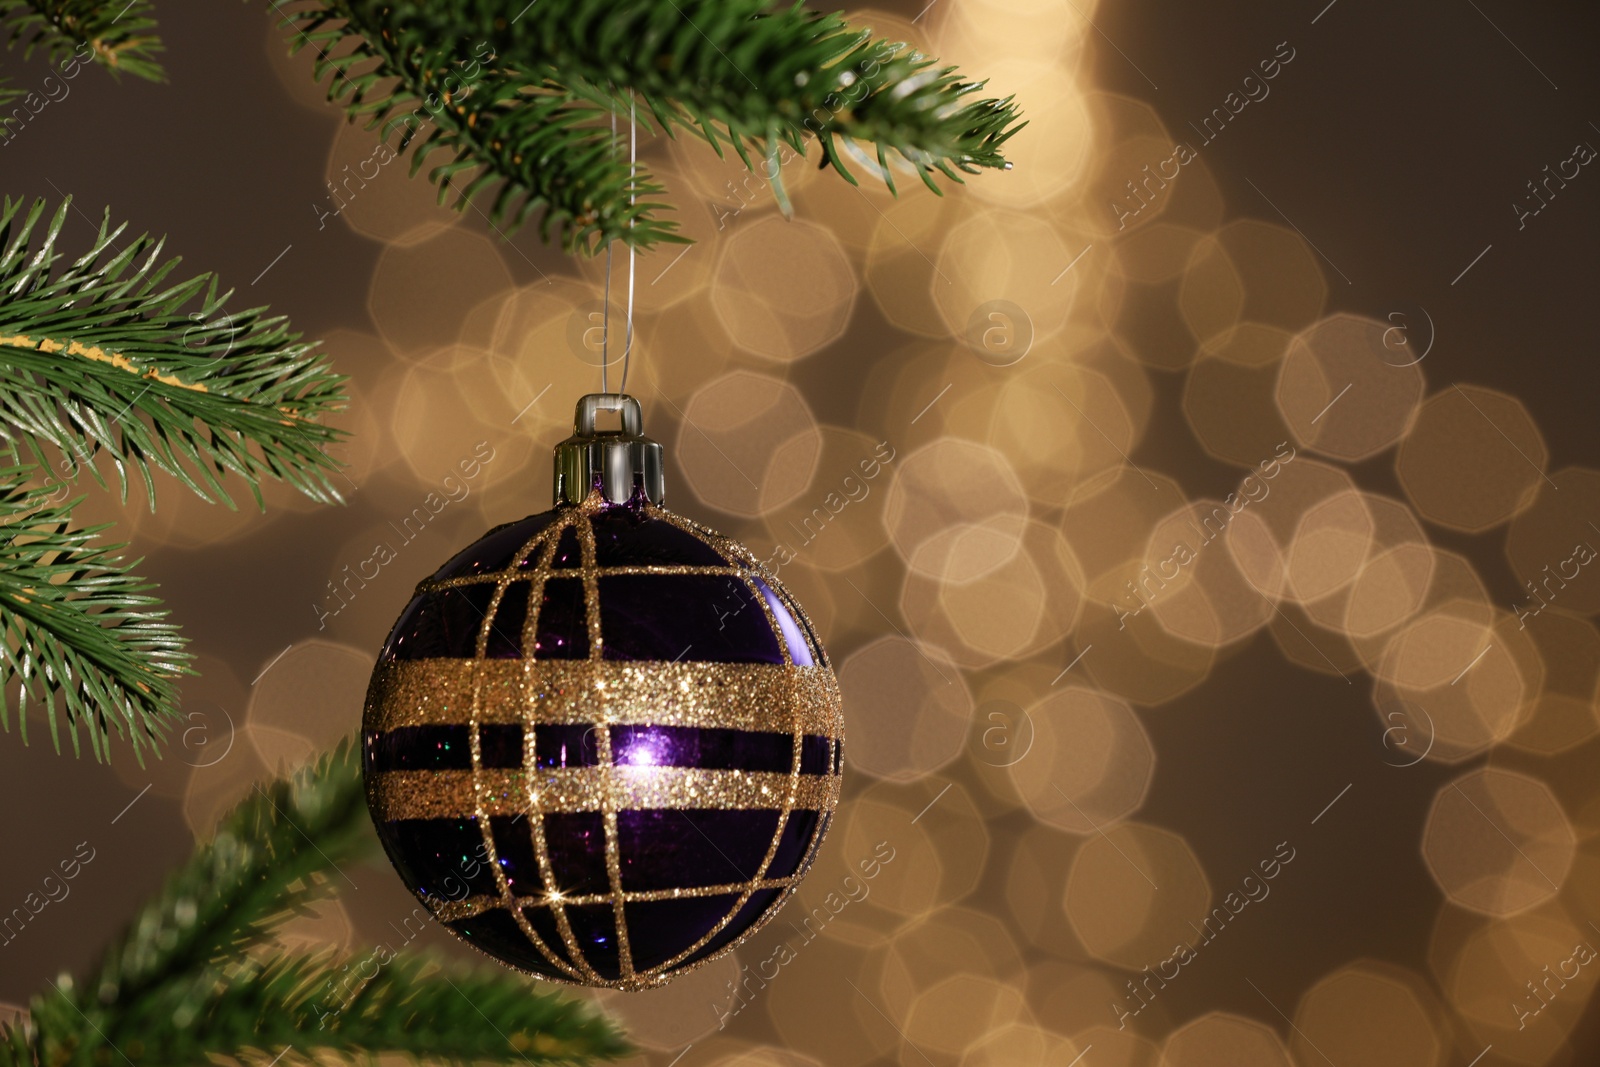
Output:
x,y
621,464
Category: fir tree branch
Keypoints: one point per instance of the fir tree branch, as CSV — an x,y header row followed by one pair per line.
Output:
x,y
81,635
538,146
762,72
120,36
271,855
279,850
742,73
102,357
196,975
403,1002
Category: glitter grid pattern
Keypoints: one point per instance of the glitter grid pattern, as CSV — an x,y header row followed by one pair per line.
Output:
x,y
636,813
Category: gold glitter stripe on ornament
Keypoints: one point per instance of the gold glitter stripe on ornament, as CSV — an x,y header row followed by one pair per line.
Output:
x,y
451,794
735,696
550,540
468,907
484,790
602,734
522,574
791,791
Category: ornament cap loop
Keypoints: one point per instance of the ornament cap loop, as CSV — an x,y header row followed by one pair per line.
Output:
x,y
621,464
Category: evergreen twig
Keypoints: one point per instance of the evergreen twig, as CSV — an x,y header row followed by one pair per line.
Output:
x,y
120,37
102,357
406,1002
742,73
539,145
197,974
79,632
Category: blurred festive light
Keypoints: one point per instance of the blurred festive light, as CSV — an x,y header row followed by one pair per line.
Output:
x,y
942,945
908,706
997,254
1462,665
1107,522
838,522
1221,1039
1497,842
1261,536
748,444
313,691
1369,1013
764,1056
1389,589
783,289
900,271
1135,657
1052,455
856,1032
1135,891
1521,983
1194,588
1229,403
979,32
1271,267
930,863
961,1010
1211,294
1344,390
1330,543
1018,1045
451,415
1028,601
1473,459
1090,764
955,510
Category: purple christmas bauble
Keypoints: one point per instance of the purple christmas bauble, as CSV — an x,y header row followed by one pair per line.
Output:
x,y
602,744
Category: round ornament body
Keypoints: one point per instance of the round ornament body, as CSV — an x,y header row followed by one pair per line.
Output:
x,y
602,744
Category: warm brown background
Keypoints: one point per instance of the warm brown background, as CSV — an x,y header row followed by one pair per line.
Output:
x,y
1395,141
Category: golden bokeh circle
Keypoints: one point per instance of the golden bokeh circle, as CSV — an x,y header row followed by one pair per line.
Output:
x,y
1498,842
955,510
1133,892
911,707
1368,1013
1473,459
783,289
1090,764
748,444
1222,1039
1343,390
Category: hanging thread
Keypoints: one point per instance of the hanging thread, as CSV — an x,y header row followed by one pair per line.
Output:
x,y
605,322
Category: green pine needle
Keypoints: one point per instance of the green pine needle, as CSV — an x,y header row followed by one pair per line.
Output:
x,y
537,146
197,974
101,357
533,87
405,1002
119,36
80,637
104,358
